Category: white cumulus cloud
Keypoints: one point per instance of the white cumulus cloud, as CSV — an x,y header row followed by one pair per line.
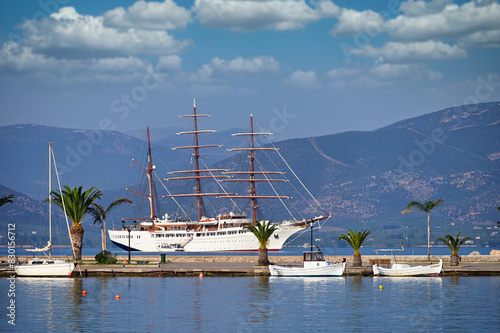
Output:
x,y
164,15
252,65
398,72
169,63
248,15
419,7
67,34
303,79
394,52
343,72
260,64
453,21
21,59
352,22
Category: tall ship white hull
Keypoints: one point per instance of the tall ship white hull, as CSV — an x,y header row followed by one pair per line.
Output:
x,y
228,239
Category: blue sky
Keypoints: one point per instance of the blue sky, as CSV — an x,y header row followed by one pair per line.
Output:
x,y
303,68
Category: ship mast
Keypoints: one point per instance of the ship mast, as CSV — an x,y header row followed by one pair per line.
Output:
x,y
50,199
252,173
197,173
149,173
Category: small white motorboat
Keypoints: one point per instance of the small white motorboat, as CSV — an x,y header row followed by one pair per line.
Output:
x,y
396,269
314,265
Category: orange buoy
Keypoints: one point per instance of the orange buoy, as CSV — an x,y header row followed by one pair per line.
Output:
x,y
201,275
159,275
84,292
69,274
117,296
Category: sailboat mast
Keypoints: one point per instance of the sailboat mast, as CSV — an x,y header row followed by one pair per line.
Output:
x,y
197,163
252,171
150,178
50,200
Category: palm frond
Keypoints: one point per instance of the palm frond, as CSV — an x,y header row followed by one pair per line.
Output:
x,y
262,231
97,212
117,203
6,199
415,205
75,201
454,243
355,239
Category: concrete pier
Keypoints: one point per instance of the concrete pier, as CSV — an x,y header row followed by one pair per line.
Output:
x,y
190,265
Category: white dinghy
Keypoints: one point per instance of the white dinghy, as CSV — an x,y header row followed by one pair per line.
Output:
x,y
396,269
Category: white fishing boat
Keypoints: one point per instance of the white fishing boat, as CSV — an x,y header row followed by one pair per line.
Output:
x,y
396,269
314,265
224,232
46,266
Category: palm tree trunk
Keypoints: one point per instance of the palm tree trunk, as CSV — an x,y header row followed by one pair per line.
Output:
x,y
263,258
103,244
356,260
454,260
104,236
76,232
429,236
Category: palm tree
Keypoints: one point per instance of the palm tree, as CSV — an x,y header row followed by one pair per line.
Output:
x,y
99,214
425,207
355,239
263,232
454,245
77,204
6,199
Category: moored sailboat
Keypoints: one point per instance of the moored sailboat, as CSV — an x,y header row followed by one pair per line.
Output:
x,y
46,266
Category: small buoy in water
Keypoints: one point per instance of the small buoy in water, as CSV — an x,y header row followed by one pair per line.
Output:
x,y
117,296
380,287
69,274
201,275
124,262
84,292
159,275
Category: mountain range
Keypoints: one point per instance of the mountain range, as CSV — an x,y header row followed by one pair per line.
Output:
x,y
364,179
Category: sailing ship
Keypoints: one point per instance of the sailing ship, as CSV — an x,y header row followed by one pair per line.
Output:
x,y
46,266
224,232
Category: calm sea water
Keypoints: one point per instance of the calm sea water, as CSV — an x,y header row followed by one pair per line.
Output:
x,y
253,304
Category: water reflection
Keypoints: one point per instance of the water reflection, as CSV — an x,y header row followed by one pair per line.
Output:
x,y
256,304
